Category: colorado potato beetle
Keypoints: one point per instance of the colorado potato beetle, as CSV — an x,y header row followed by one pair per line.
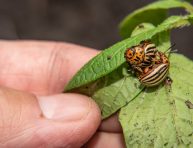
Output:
x,y
142,55
157,73
150,65
154,76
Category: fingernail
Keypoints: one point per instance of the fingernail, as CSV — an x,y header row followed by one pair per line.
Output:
x,y
65,107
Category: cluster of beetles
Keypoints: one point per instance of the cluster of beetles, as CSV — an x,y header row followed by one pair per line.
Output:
x,y
149,65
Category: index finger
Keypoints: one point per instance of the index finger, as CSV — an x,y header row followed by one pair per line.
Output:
x,y
40,67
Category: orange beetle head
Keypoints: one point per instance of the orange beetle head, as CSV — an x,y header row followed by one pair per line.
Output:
x,y
129,53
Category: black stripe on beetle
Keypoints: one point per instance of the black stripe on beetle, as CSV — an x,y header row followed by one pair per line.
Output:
x,y
155,76
158,71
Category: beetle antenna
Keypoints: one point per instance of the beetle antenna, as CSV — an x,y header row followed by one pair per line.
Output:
x,y
170,50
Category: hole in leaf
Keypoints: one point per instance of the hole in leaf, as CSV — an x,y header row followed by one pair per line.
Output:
x,y
189,104
109,57
141,26
165,144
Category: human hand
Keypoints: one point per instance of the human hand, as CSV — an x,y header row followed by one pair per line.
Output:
x,y
34,112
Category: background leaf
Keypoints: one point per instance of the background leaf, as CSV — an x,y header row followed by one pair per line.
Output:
x,y
153,13
113,57
162,39
143,27
158,118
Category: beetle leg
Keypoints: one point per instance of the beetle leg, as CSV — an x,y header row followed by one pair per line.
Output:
x,y
146,69
138,69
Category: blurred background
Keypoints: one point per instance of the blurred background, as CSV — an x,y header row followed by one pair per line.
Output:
x,y
92,23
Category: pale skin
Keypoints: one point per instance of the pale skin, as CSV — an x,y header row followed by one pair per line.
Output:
x,y
33,110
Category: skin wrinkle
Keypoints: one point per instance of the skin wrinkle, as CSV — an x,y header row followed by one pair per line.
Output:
x,y
10,128
30,77
36,136
8,111
67,60
23,134
47,139
42,141
13,128
49,72
61,77
2,129
17,117
56,62
7,126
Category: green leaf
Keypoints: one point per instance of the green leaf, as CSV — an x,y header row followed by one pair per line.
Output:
x,y
113,57
113,91
143,27
158,118
116,89
153,13
121,87
162,40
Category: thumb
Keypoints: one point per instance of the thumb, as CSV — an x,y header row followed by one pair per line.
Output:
x,y
63,120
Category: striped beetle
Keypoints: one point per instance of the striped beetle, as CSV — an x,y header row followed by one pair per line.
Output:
x,y
154,76
150,65
141,56
156,73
